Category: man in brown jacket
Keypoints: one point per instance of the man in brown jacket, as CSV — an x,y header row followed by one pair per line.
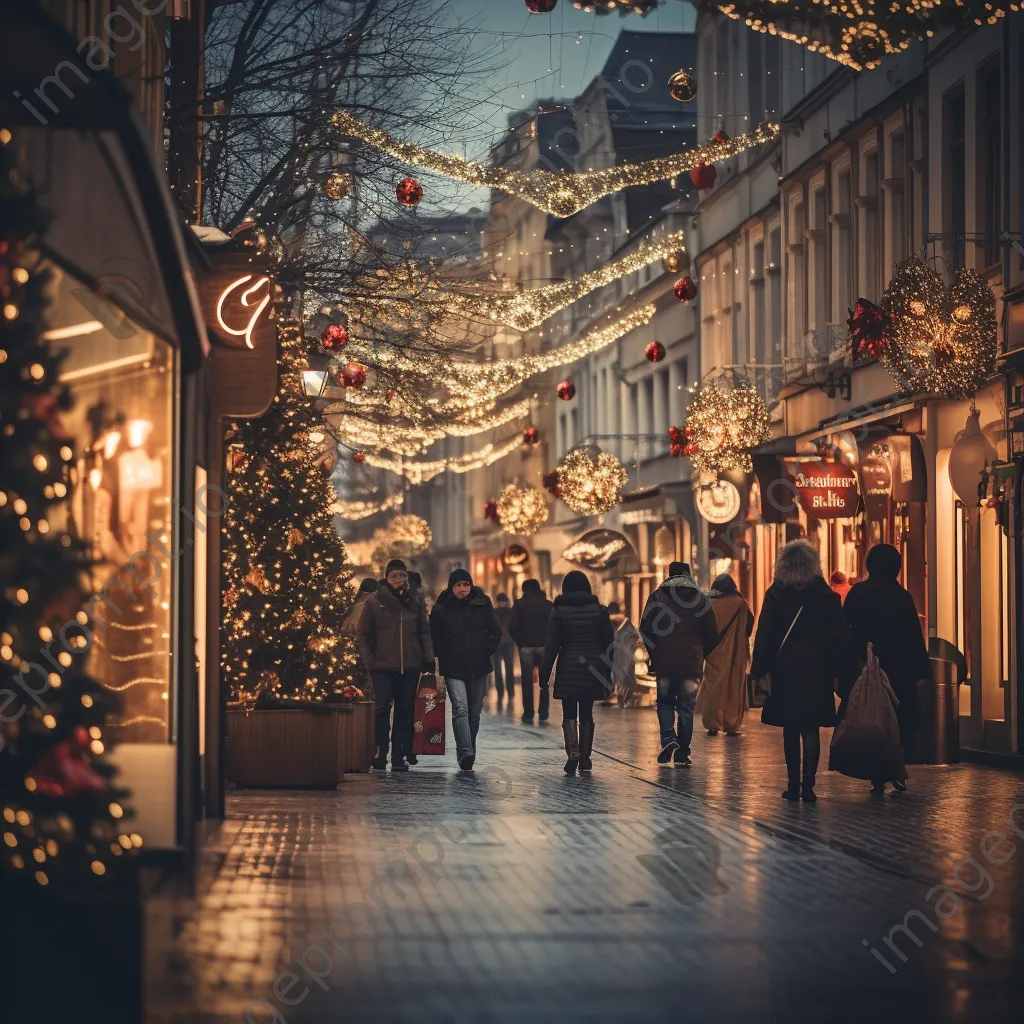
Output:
x,y
394,640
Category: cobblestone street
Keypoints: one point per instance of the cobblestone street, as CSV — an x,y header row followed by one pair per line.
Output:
x,y
643,892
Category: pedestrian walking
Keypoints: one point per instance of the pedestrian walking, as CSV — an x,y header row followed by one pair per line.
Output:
x,y
394,640
802,643
882,613
528,627
722,697
840,584
466,635
679,630
580,636
503,660
627,636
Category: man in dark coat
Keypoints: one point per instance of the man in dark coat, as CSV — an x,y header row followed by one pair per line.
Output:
x,y
504,679
466,635
883,614
678,629
528,627
394,640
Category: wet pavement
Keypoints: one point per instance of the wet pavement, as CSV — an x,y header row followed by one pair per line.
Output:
x,y
642,892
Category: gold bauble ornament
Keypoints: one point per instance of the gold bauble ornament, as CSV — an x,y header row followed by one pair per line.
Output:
x,y
727,419
590,481
257,578
522,511
337,185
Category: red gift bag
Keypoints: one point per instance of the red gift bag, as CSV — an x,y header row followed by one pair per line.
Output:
x,y
428,725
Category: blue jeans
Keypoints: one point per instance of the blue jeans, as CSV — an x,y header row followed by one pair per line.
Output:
x,y
502,660
676,697
467,699
529,659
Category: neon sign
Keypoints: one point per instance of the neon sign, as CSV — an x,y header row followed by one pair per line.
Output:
x,y
246,301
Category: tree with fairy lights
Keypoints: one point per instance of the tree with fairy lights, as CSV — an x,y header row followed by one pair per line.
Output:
x,y
63,817
286,587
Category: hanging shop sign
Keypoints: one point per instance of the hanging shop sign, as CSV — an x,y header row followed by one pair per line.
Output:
x,y
516,558
827,490
718,502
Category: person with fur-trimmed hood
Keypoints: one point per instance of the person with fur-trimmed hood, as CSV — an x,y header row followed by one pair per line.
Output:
x,y
466,635
678,629
802,641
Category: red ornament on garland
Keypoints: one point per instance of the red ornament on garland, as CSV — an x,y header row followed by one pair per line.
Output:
x,y
531,435
721,136
550,482
675,450
491,512
566,391
541,6
409,191
872,330
359,457
685,289
704,176
353,375
335,337
654,352
675,435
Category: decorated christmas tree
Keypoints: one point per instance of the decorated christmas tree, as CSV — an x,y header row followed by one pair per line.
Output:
x,y
63,820
286,587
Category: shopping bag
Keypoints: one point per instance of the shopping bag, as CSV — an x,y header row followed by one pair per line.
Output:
x,y
428,723
758,690
866,743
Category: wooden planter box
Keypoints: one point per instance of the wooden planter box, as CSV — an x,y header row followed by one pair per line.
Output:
x,y
296,749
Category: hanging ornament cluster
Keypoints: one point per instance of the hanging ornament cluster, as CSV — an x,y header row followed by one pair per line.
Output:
x,y
566,391
337,185
682,86
871,330
531,435
522,511
590,481
334,337
352,375
680,442
727,418
550,482
491,511
654,352
944,339
409,192
685,289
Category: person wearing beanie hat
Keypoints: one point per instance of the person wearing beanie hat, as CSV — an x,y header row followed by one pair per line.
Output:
x,y
528,627
394,640
466,634
580,636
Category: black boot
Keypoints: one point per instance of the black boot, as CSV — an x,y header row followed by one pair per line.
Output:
x,y
545,700
586,746
807,791
572,747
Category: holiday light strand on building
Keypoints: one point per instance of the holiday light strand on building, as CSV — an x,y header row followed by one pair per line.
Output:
x,y
561,195
521,511
590,481
945,339
356,510
423,472
727,418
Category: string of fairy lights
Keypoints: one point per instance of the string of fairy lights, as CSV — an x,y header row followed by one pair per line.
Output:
x,y
425,471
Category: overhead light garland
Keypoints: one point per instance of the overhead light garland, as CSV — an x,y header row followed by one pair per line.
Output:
x,y
561,195
521,511
590,481
423,472
944,339
726,419
356,510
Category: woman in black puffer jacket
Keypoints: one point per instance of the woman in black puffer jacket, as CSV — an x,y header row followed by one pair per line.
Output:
x,y
580,636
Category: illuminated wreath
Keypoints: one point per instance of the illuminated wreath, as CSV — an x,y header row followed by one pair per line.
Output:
x,y
727,418
522,511
945,339
590,481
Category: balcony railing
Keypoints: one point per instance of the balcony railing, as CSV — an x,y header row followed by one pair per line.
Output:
x,y
824,345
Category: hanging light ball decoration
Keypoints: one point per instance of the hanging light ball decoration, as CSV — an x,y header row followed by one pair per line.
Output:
x,y
704,176
522,511
409,191
685,289
591,481
550,482
871,330
334,337
944,339
726,420
337,185
682,86
491,511
566,391
654,352
541,6
531,435
676,262
359,457
411,532
353,375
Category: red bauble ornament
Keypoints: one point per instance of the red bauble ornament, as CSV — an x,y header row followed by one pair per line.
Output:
x,y
531,435
541,6
335,337
721,136
389,394
491,511
566,391
689,449
655,352
550,482
358,457
872,330
353,375
703,176
675,435
64,772
675,450
409,191
685,289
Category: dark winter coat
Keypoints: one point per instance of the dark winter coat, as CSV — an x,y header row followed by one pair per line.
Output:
x,y
580,636
679,629
816,654
466,634
393,633
882,613
503,613
528,623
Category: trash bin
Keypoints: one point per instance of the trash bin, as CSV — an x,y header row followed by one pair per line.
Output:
x,y
938,739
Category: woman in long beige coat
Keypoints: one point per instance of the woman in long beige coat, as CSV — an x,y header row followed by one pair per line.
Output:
x,y
722,699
